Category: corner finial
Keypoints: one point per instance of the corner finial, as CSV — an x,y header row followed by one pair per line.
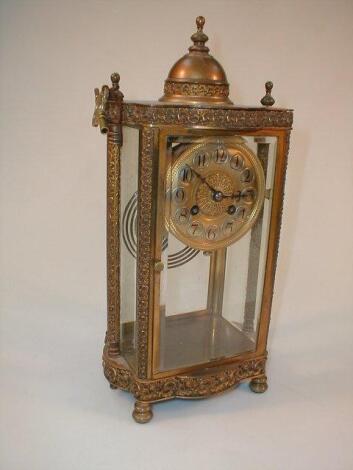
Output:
x,y
199,38
115,78
115,89
268,99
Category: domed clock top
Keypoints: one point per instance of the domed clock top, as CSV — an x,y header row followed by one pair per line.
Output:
x,y
197,77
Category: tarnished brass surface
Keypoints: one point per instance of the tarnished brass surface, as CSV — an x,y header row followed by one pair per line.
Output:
x,y
229,117
216,281
99,118
197,77
259,384
214,176
145,250
199,384
112,98
142,412
268,99
158,266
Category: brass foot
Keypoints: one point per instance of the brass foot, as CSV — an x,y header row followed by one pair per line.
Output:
x,y
259,385
142,412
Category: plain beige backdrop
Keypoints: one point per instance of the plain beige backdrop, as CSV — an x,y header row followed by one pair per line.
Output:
x,y
57,411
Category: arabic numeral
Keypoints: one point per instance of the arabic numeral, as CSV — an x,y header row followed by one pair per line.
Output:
x,y
186,174
221,155
240,213
211,233
196,229
228,228
236,162
182,215
246,176
179,195
201,160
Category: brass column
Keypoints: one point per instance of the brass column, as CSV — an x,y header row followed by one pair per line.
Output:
x,y
107,115
113,243
215,295
216,282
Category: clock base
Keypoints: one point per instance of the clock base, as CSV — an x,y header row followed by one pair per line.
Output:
x,y
201,383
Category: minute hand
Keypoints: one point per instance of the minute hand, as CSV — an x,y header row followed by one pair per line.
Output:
x,y
236,195
204,180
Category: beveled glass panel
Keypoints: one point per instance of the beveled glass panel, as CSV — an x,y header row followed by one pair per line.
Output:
x,y
128,241
218,197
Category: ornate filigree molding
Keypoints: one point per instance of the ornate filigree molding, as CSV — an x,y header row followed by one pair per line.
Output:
x,y
113,242
183,386
106,100
144,248
228,118
195,89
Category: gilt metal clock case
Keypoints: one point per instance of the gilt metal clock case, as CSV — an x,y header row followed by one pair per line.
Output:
x,y
195,190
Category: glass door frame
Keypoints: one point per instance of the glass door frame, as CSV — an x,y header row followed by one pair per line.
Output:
x,y
272,245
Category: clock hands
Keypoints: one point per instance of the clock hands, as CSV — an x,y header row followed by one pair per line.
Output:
x,y
204,180
217,195
237,195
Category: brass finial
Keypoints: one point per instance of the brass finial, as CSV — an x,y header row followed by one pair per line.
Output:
x,y
200,22
115,78
199,38
115,91
268,99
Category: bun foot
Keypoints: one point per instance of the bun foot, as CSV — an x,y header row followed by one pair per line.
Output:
x,y
142,412
259,385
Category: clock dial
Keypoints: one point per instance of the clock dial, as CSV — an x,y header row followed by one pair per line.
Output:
x,y
217,190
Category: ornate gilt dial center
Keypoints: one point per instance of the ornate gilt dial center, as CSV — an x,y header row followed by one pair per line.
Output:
x,y
214,203
215,190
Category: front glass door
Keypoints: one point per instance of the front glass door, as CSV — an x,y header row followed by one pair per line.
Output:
x,y
213,219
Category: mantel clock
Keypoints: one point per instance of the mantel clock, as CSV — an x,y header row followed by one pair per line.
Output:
x,y
195,190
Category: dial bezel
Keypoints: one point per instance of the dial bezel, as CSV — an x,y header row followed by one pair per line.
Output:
x,y
234,145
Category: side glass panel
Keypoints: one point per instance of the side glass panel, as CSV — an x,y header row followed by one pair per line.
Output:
x,y
246,258
218,198
128,241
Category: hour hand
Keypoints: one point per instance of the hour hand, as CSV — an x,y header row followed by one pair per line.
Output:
x,y
196,173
